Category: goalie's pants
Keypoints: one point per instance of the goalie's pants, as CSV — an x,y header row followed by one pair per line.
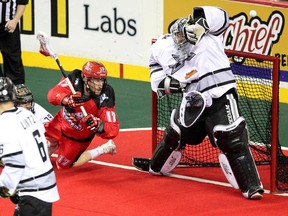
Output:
x,y
10,47
224,111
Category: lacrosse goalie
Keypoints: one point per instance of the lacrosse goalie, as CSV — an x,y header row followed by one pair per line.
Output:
x,y
191,61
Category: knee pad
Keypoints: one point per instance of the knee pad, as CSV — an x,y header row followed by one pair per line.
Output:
x,y
167,154
231,138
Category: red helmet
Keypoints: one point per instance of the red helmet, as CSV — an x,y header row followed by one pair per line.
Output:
x,y
94,70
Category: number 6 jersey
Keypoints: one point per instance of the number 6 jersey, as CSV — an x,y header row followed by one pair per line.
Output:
x,y
24,153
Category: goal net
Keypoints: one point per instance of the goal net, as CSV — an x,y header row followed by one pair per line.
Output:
x,y
257,79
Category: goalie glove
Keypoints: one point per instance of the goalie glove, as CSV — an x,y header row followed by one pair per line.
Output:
x,y
93,123
4,192
196,31
72,101
170,85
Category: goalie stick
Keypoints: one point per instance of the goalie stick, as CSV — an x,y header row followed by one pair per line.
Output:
x,y
47,50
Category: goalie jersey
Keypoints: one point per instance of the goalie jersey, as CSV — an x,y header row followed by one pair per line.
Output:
x,y
24,153
206,67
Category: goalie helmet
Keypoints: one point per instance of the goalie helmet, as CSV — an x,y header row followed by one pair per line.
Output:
x,y
7,90
24,96
178,34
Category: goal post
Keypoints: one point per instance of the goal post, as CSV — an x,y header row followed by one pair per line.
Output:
x,y
257,78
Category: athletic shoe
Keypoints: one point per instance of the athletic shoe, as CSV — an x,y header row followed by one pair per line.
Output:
x,y
254,193
109,147
142,164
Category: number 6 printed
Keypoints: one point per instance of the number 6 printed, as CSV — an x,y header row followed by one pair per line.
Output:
x,y
40,145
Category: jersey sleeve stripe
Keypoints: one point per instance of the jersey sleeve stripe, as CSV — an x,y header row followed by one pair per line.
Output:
x,y
35,177
11,154
15,166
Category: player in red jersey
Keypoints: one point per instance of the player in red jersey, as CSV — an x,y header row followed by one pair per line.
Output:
x,y
70,131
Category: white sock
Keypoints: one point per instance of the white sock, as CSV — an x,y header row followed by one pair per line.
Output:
x,y
96,152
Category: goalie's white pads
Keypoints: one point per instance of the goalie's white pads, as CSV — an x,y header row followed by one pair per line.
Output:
x,y
226,168
45,47
195,32
191,108
171,162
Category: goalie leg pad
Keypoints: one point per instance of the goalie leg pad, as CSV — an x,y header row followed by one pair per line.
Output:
x,y
227,170
167,154
171,162
232,140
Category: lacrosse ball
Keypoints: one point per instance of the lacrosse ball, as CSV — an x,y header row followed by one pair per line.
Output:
x,y
253,13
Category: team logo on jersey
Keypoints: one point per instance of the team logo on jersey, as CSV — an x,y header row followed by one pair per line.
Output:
x,y
180,61
73,119
103,97
191,73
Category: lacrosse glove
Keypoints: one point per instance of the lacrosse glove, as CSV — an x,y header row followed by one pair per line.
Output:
x,y
94,124
72,101
195,32
14,198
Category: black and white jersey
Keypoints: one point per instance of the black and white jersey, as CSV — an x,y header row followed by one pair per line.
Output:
x,y
206,67
24,152
8,9
42,114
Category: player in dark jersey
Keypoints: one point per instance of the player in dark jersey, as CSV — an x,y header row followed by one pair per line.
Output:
x,y
70,129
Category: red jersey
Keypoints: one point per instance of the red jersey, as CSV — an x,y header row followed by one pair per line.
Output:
x,y
68,125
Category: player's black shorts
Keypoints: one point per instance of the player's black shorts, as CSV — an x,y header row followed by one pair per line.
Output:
x,y
29,206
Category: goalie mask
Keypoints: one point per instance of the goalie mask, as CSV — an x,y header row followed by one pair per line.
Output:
x,y
95,77
7,90
24,97
178,34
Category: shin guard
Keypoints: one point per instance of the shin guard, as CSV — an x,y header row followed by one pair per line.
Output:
x,y
167,154
232,140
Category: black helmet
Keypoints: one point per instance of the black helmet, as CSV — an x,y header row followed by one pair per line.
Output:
x,y
24,95
7,90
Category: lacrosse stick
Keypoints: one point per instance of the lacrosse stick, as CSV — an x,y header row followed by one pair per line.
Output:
x,y
47,50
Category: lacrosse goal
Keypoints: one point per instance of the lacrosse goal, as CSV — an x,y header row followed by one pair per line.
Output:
x,y
257,79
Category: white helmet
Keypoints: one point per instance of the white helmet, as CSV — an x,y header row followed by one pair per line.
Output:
x,y
178,34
